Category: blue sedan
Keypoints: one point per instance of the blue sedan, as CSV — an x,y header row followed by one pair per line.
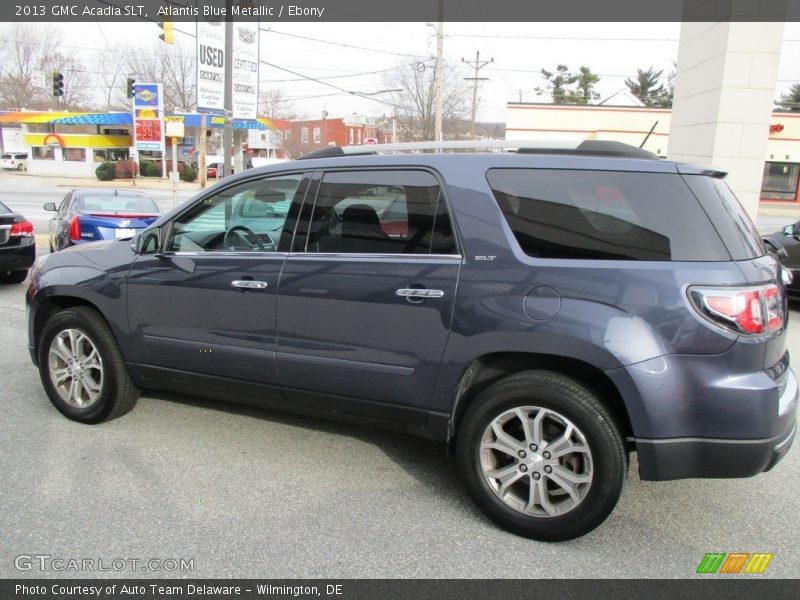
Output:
x,y
90,215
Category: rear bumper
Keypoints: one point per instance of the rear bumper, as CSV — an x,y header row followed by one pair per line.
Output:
x,y
660,460
19,256
701,456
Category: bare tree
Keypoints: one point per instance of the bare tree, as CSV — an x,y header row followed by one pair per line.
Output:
x,y
274,104
415,106
28,60
112,79
26,65
170,64
294,148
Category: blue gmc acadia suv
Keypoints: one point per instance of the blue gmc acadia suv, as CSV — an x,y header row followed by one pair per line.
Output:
x,y
543,312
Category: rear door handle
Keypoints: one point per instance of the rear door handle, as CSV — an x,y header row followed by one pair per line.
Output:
x,y
419,293
248,284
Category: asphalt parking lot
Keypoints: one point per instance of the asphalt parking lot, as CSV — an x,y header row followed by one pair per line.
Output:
x,y
250,493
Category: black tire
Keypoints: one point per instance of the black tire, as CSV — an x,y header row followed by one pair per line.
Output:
x,y
14,276
557,395
117,393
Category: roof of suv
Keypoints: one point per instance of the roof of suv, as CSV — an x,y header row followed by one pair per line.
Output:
x,y
587,155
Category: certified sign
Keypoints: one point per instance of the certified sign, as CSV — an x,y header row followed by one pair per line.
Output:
x,y
245,70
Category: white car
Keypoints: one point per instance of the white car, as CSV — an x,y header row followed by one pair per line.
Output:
x,y
14,160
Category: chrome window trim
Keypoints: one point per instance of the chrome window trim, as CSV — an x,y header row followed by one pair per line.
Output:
x,y
219,253
341,255
336,255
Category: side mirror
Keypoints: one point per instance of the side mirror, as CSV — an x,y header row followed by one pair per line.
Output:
x,y
148,242
51,206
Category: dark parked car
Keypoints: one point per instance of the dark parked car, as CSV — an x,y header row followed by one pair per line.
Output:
x,y
90,215
543,313
786,243
17,246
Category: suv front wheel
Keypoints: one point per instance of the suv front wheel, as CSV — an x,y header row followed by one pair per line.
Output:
x,y
541,456
82,369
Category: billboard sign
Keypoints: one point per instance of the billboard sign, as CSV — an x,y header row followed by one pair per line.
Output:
x,y
211,66
245,70
148,110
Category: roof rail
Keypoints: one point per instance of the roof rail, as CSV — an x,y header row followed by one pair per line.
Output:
x,y
579,147
336,151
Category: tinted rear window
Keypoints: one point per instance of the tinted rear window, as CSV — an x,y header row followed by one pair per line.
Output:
x,y
606,215
732,222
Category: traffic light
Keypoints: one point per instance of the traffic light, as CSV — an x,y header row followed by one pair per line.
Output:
x,y
167,36
131,92
58,84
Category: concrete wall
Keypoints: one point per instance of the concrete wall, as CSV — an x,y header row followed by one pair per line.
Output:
x,y
724,91
571,122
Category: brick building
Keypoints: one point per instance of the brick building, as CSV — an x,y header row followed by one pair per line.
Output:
x,y
306,135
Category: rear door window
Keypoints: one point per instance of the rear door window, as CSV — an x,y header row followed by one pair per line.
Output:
x,y
605,215
377,212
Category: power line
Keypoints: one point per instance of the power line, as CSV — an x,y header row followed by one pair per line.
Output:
x,y
336,87
340,44
149,19
346,75
572,39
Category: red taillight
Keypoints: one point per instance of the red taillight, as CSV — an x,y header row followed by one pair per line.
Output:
x,y
23,228
751,310
774,306
75,228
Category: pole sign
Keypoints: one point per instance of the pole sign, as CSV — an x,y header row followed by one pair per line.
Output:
x,y
148,112
245,70
211,66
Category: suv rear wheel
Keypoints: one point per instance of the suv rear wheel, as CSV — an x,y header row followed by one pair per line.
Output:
x,y
541,456
82,369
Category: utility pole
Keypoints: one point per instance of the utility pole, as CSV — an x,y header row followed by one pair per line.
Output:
x,y
227,132
201,159
439,71
477,65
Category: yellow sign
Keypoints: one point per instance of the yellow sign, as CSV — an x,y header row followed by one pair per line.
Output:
x,y
79,140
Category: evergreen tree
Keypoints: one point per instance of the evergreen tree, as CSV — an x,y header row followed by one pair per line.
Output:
x,y
646,87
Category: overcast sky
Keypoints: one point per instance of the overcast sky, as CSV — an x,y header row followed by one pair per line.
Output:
x,y
520,50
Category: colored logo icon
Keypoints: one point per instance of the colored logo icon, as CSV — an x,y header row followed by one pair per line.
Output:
x,y
734,562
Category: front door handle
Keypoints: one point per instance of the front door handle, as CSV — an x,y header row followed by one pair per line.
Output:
x,y
419,293
248,284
